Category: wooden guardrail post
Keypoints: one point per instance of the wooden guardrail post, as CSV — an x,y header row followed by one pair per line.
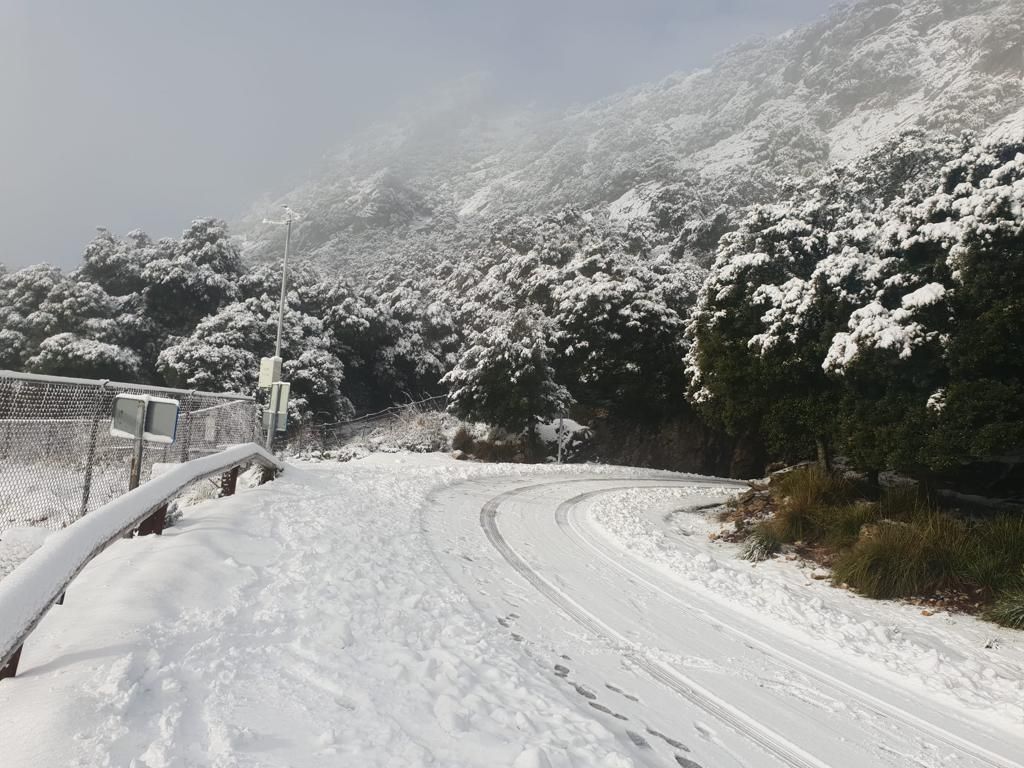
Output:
x,y
229,482
267,475
12,666
154,524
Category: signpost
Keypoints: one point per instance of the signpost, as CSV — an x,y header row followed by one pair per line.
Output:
x,y
144,419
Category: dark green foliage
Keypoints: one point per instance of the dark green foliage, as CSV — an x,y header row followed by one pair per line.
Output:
x,y
505,377
462,440
994,559
1008,610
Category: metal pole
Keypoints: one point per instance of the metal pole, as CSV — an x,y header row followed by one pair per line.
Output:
x,y
136,473
284,285
272,421
560,433
90,456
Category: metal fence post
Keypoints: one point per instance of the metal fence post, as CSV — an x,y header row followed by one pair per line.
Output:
x,y
186,441
91,455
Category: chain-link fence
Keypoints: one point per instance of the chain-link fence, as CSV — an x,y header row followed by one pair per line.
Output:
x,y
58,460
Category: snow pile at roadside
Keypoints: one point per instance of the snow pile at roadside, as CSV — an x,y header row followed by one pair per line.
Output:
x,y
878,635
30,589
304,623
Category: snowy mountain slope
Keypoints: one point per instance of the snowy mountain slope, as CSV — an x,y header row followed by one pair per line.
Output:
x,y
729,134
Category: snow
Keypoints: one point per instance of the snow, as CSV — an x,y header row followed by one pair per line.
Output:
x,y
634,204
28,591
875,327
356,614
925,296
548,431
301,623
17,543
887,638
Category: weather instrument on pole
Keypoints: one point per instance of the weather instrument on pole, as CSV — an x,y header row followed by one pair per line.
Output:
x,y
275,417
270,371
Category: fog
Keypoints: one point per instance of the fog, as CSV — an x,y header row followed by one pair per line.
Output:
x,y
129,114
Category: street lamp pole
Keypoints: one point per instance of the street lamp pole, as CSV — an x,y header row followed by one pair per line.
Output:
x,y
290,216
284,278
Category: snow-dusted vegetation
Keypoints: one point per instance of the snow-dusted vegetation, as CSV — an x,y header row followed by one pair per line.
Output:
x,y
795,250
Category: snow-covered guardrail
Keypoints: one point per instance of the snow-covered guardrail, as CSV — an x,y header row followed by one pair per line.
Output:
x,y
28,592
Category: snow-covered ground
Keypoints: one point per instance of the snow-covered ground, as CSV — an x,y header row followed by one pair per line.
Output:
x,y
407,610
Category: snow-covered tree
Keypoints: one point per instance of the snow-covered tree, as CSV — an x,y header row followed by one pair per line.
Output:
x,y
505,377
193,279
778,290
223,354
940,333
68,354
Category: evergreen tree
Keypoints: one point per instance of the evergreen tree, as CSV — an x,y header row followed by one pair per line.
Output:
x,y
505,377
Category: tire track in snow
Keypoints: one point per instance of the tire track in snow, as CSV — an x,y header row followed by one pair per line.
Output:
x,y
789,754
870,703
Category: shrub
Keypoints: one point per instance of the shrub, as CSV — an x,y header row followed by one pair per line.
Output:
x,y
499,451
902,502
814,503
762,542
902,559
462,440
810,488
842,525
1008,609
996,556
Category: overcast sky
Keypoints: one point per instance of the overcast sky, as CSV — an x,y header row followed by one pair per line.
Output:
x,y
147,113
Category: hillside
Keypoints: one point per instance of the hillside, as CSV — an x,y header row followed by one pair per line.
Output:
x,y
674,151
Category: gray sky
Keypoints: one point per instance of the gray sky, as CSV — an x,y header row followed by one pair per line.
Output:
x,y
148,113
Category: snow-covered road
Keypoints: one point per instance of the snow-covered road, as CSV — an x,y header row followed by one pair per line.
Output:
x,y
742,690
411,610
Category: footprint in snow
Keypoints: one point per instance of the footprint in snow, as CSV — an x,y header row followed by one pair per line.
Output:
x,y
675,744
687,763
621,692
603,708
638,740
561,671
585,692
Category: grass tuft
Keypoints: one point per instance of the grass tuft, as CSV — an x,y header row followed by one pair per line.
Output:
x,y
904,559
900,546
762,543
1008,609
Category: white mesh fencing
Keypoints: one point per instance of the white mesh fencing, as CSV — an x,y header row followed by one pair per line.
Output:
x,y
58,460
